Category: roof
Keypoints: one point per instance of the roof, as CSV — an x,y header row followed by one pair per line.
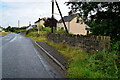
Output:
x,y
44,19
38,20
67,18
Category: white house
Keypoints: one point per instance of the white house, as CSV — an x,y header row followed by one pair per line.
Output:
x,y
40,22
75,24
30,27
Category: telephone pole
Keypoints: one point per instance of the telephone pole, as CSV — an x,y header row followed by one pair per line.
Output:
x,y
52,15
61,16
29,23
18,23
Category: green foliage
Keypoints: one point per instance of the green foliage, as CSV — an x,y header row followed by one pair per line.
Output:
x,y
41,28
17,32
83,65
15,29
105,21
28,31
34,29
48,29
8,28
61,31
100,65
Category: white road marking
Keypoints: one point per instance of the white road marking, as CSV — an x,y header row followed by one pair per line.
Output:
x,y
42,61
13,39
37,53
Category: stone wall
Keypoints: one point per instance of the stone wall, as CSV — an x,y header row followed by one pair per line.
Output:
x,y
91,44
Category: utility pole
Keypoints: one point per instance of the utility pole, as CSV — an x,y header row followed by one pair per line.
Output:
x,y
61,16
29,23
52,15
18,23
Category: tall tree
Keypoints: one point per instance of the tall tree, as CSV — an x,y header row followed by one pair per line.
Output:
x,y
103,17
8,28
48,22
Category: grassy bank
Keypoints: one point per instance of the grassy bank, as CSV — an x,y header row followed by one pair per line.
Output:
x,y
81,64
4,33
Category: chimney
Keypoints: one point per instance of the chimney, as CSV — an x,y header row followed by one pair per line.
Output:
x,y
70,12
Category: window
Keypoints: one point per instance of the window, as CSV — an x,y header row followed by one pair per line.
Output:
x,y
62,28
77,20
81,21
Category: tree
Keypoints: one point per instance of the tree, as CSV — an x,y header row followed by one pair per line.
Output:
x,y
8,28
48,22
104,17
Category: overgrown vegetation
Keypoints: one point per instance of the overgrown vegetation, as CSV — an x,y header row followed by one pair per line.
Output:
x,y
104,22
83,65
80,64
100,65
15,29
4,33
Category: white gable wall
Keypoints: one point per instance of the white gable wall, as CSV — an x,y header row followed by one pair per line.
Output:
x,y
77,28
61,25
73,27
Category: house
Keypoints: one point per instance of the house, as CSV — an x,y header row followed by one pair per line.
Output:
x,y
1,29
31,27
40,22
75,24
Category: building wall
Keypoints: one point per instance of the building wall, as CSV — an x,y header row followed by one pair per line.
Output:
x,y
73,27
41,23
91,44
77,28
61,25
0,29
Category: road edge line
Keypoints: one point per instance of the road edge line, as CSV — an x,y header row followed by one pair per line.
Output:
x,y
51,57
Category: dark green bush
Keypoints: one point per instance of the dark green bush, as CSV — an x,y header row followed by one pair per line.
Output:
x,y
28,31
61,31
106,62
99,65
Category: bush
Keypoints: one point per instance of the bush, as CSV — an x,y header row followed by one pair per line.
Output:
x,y
17,32
100,65
35,29
48,29
61,31
41,28
28,31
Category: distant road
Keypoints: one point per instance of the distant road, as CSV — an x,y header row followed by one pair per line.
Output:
x,y
20,59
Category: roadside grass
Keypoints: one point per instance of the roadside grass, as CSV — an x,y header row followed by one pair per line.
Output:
x,y
4,33
81,64
35,37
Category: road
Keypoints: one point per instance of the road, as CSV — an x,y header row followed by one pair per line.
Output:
x,y
20,59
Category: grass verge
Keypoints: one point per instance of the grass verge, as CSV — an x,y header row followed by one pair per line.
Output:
x,y
81,64
4,33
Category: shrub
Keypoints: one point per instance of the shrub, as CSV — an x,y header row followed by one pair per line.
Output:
x,y
48,29
28,31
100,65
61,31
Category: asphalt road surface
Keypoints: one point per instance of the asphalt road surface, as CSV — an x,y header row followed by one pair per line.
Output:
x,y
20,59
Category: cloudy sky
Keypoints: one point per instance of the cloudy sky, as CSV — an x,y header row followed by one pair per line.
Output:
x,y
28,11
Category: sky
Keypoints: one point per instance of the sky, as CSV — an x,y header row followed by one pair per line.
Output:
x,y
28,11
